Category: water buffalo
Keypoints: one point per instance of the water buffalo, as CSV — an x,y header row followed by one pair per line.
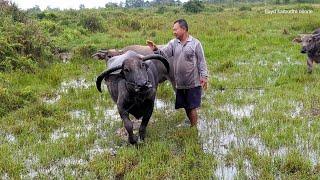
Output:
x,y
311,46
143,50
133,89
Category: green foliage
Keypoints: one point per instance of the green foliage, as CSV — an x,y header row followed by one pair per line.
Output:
x,y
129,24
296,164
23,46
193,6
93,23
86,50
245,8
161,10
23,64
47,15
11,10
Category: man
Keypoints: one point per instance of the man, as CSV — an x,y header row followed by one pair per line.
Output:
x,y
190,68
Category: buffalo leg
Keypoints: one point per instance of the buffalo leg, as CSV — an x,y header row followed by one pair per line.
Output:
x,y
145,121
310,64
128,125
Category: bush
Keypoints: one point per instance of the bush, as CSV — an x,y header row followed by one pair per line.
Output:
x,y
86,50
193,6
23,64
92,23
161,10
245,8
128,24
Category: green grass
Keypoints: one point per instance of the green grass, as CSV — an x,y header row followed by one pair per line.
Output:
x,y
260,114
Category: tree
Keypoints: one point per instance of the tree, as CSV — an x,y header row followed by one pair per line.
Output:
x,y
111,5
134,3
34,9
193,6
82,6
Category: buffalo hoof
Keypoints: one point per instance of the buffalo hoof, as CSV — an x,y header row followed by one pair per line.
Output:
x,y
142,134
133,139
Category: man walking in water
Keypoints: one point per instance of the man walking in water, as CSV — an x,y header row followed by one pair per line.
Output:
x,y
190,68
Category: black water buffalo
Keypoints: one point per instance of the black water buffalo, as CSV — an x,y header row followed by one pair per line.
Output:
x,y
143,50
311,46
133,89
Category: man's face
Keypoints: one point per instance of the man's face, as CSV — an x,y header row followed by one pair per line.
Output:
x,y
178,32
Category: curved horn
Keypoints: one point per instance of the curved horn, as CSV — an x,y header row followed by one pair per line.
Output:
x,y
105,74
103,51
160,58
95,54
316,35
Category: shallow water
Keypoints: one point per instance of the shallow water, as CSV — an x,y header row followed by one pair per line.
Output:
x,y
238,112
79,83
7,137
220,137
226,172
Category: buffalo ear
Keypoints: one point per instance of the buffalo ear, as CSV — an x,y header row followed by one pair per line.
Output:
x,y
121,74
147,65
297,39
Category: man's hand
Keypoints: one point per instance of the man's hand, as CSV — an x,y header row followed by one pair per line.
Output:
x,y
152,45
204,82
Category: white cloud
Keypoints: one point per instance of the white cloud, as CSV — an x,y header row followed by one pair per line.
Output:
x,y
62,4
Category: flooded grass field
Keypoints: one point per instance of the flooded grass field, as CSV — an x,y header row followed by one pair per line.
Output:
x,y
260,117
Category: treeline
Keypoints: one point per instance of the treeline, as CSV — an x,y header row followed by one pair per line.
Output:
x,y
146,3
156,3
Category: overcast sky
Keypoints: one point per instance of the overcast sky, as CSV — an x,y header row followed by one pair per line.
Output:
x,y
62,4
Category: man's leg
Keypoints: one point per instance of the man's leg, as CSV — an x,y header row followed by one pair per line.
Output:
x,y
192,115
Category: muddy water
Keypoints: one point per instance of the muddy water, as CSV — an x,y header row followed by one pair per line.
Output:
x,y
79,83
7,138
220,137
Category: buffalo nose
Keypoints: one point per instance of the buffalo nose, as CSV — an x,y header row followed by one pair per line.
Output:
x,y
142,83
303,51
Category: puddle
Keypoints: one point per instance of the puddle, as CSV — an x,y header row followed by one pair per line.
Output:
x,y
30,164
238,112
161,104
5,176
226,172
306,149
55,169
297,108
51,100
220,137
79,83
262,63
58,168
249,93
7,137
59,134
220,77
97,150
79,114
250,173
242,63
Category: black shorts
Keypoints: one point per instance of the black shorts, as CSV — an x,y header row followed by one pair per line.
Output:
x,y
188,98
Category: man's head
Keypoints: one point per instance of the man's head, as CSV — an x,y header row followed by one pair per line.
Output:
x,y
180,28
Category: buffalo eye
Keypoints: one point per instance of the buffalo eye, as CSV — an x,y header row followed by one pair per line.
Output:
x,y
126,70
144,65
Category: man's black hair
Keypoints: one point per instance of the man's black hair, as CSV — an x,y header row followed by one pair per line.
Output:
x,y
183,23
